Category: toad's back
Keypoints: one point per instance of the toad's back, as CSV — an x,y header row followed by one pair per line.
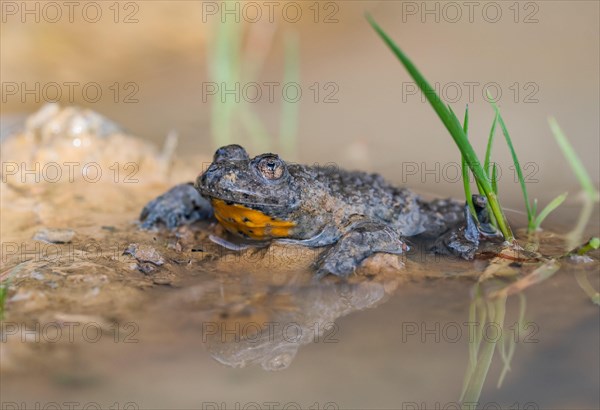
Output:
x,y
361,193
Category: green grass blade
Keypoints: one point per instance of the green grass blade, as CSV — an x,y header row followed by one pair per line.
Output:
x,y
6,278
504,356
574,237
480,188
465,168
447,116
473,346
530,216
453,126
591,193
555,203
574,161
258,45
477,316
3,294
255,129
224,68
467,187
592,244
522,310
495,179
586,286
452,114
507,359
488,151
483,313
495,189
496,313
288,126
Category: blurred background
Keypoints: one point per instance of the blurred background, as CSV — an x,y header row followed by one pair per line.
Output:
x,y
162,66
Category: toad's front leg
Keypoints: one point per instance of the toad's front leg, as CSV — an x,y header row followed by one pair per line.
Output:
x,y
181,205
363,240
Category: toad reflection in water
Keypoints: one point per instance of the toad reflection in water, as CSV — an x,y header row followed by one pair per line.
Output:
x,y
268,329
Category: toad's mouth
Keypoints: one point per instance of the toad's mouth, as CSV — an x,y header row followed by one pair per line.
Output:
x,y
250,223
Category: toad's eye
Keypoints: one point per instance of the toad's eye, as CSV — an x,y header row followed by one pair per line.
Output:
x,y
270,167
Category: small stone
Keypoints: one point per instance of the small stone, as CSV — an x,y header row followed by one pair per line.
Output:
x,y
144,253
21,295
146,268
162,280
580,259
37,275
54,235
93,293
381,264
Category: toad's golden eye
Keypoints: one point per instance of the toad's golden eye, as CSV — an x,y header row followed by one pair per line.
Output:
x,y
271,167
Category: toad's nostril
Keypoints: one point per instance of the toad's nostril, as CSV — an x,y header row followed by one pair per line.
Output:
x,y
210,171
205,177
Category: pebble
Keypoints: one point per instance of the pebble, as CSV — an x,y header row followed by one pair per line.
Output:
x,y
144,253
54,235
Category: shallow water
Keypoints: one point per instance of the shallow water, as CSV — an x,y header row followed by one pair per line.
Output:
x,y
178,322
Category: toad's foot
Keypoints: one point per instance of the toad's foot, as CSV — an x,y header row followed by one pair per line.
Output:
x,y
180,205
365,239
462,242
453,229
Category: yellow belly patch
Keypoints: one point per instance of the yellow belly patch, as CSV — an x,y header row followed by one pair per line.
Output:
x,y
254,224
